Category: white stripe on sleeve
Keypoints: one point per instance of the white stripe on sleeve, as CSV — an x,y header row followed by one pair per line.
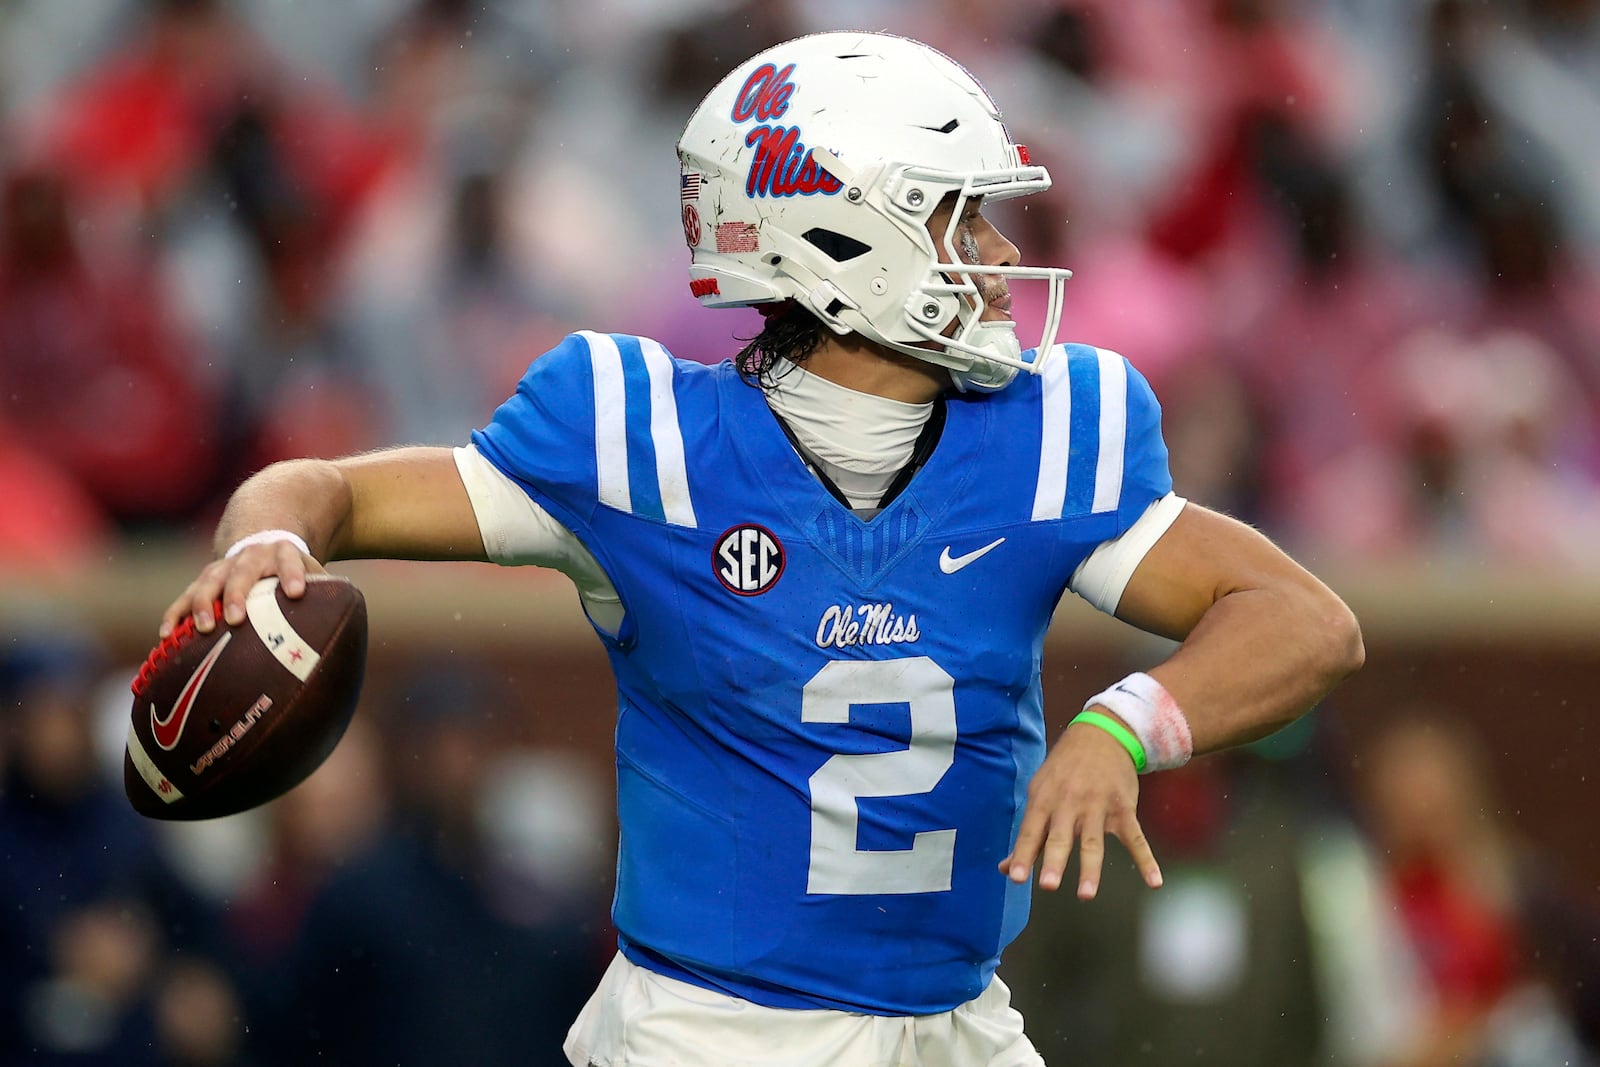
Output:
x,y
1113,430
671,472
610,421
1050,493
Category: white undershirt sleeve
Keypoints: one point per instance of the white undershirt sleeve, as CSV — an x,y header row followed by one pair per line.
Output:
x,y
516,531
1102,577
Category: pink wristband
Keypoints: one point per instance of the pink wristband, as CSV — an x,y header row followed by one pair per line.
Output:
x,y
1153,716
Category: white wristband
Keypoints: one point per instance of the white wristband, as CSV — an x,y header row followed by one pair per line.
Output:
x,y
266,537
1153,716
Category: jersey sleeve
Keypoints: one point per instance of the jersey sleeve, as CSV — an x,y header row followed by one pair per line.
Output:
x,y
594,424
1102,469
543,436
1146,476
1101,457
1101,578
1132,450
517,531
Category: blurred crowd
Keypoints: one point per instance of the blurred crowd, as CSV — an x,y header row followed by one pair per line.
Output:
x,y
435,893
1351,242
1379,915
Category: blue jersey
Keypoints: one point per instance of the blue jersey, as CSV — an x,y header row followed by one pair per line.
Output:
x,y
826,726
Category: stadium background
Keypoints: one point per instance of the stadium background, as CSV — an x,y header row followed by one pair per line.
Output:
x,y
1351,242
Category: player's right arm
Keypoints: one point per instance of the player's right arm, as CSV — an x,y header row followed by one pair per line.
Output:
x,y
400,503
412,502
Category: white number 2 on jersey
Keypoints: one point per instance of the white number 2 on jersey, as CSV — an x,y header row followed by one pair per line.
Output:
x,y
838,865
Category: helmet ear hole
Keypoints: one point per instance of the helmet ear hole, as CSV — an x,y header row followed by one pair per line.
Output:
x,y
839,247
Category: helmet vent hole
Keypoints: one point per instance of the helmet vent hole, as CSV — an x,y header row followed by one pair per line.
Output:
x,y
949,127
836,246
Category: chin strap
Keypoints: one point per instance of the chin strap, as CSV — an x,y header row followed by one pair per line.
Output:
x,y
985,376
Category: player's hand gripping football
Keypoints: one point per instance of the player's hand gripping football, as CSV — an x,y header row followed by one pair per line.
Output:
x,y
1085,790
229,580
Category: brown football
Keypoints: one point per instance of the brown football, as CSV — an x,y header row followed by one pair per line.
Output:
x,y
228,720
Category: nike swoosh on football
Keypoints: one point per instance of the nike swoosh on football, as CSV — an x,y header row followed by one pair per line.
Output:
x,y
950,564
167,731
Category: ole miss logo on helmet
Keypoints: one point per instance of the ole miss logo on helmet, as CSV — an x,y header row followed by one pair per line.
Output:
x,y
748,559
782,164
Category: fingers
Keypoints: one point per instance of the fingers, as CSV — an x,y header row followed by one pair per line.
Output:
x,y
292,569
196,600
1085,791
1138,846
1035,822
237,586
230,581
1091,855
1089,832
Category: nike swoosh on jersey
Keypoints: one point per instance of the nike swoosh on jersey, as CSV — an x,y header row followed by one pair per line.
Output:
x,y
166,731
950,564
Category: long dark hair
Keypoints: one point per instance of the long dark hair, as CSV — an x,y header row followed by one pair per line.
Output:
x,y
788,331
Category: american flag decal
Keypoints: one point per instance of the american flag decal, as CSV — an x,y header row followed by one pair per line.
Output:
x,y
736,237
689,187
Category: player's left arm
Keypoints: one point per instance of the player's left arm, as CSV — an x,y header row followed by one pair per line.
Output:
x,y
1262,638
1262,641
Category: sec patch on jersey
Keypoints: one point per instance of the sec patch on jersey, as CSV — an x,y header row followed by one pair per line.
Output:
x,y
229,720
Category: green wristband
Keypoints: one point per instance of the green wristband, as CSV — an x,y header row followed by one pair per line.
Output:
x,y
1123,735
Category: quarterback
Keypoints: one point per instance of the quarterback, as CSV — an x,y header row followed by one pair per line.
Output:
x,y
823,571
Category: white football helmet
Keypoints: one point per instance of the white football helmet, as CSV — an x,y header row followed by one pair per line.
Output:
x,y
810,173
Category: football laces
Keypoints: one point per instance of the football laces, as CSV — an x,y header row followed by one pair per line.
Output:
x,y
166,649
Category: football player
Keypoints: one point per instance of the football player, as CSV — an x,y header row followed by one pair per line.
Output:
x,y
823,571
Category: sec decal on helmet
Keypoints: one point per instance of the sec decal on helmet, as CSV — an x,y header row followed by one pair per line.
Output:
x,y
817,165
